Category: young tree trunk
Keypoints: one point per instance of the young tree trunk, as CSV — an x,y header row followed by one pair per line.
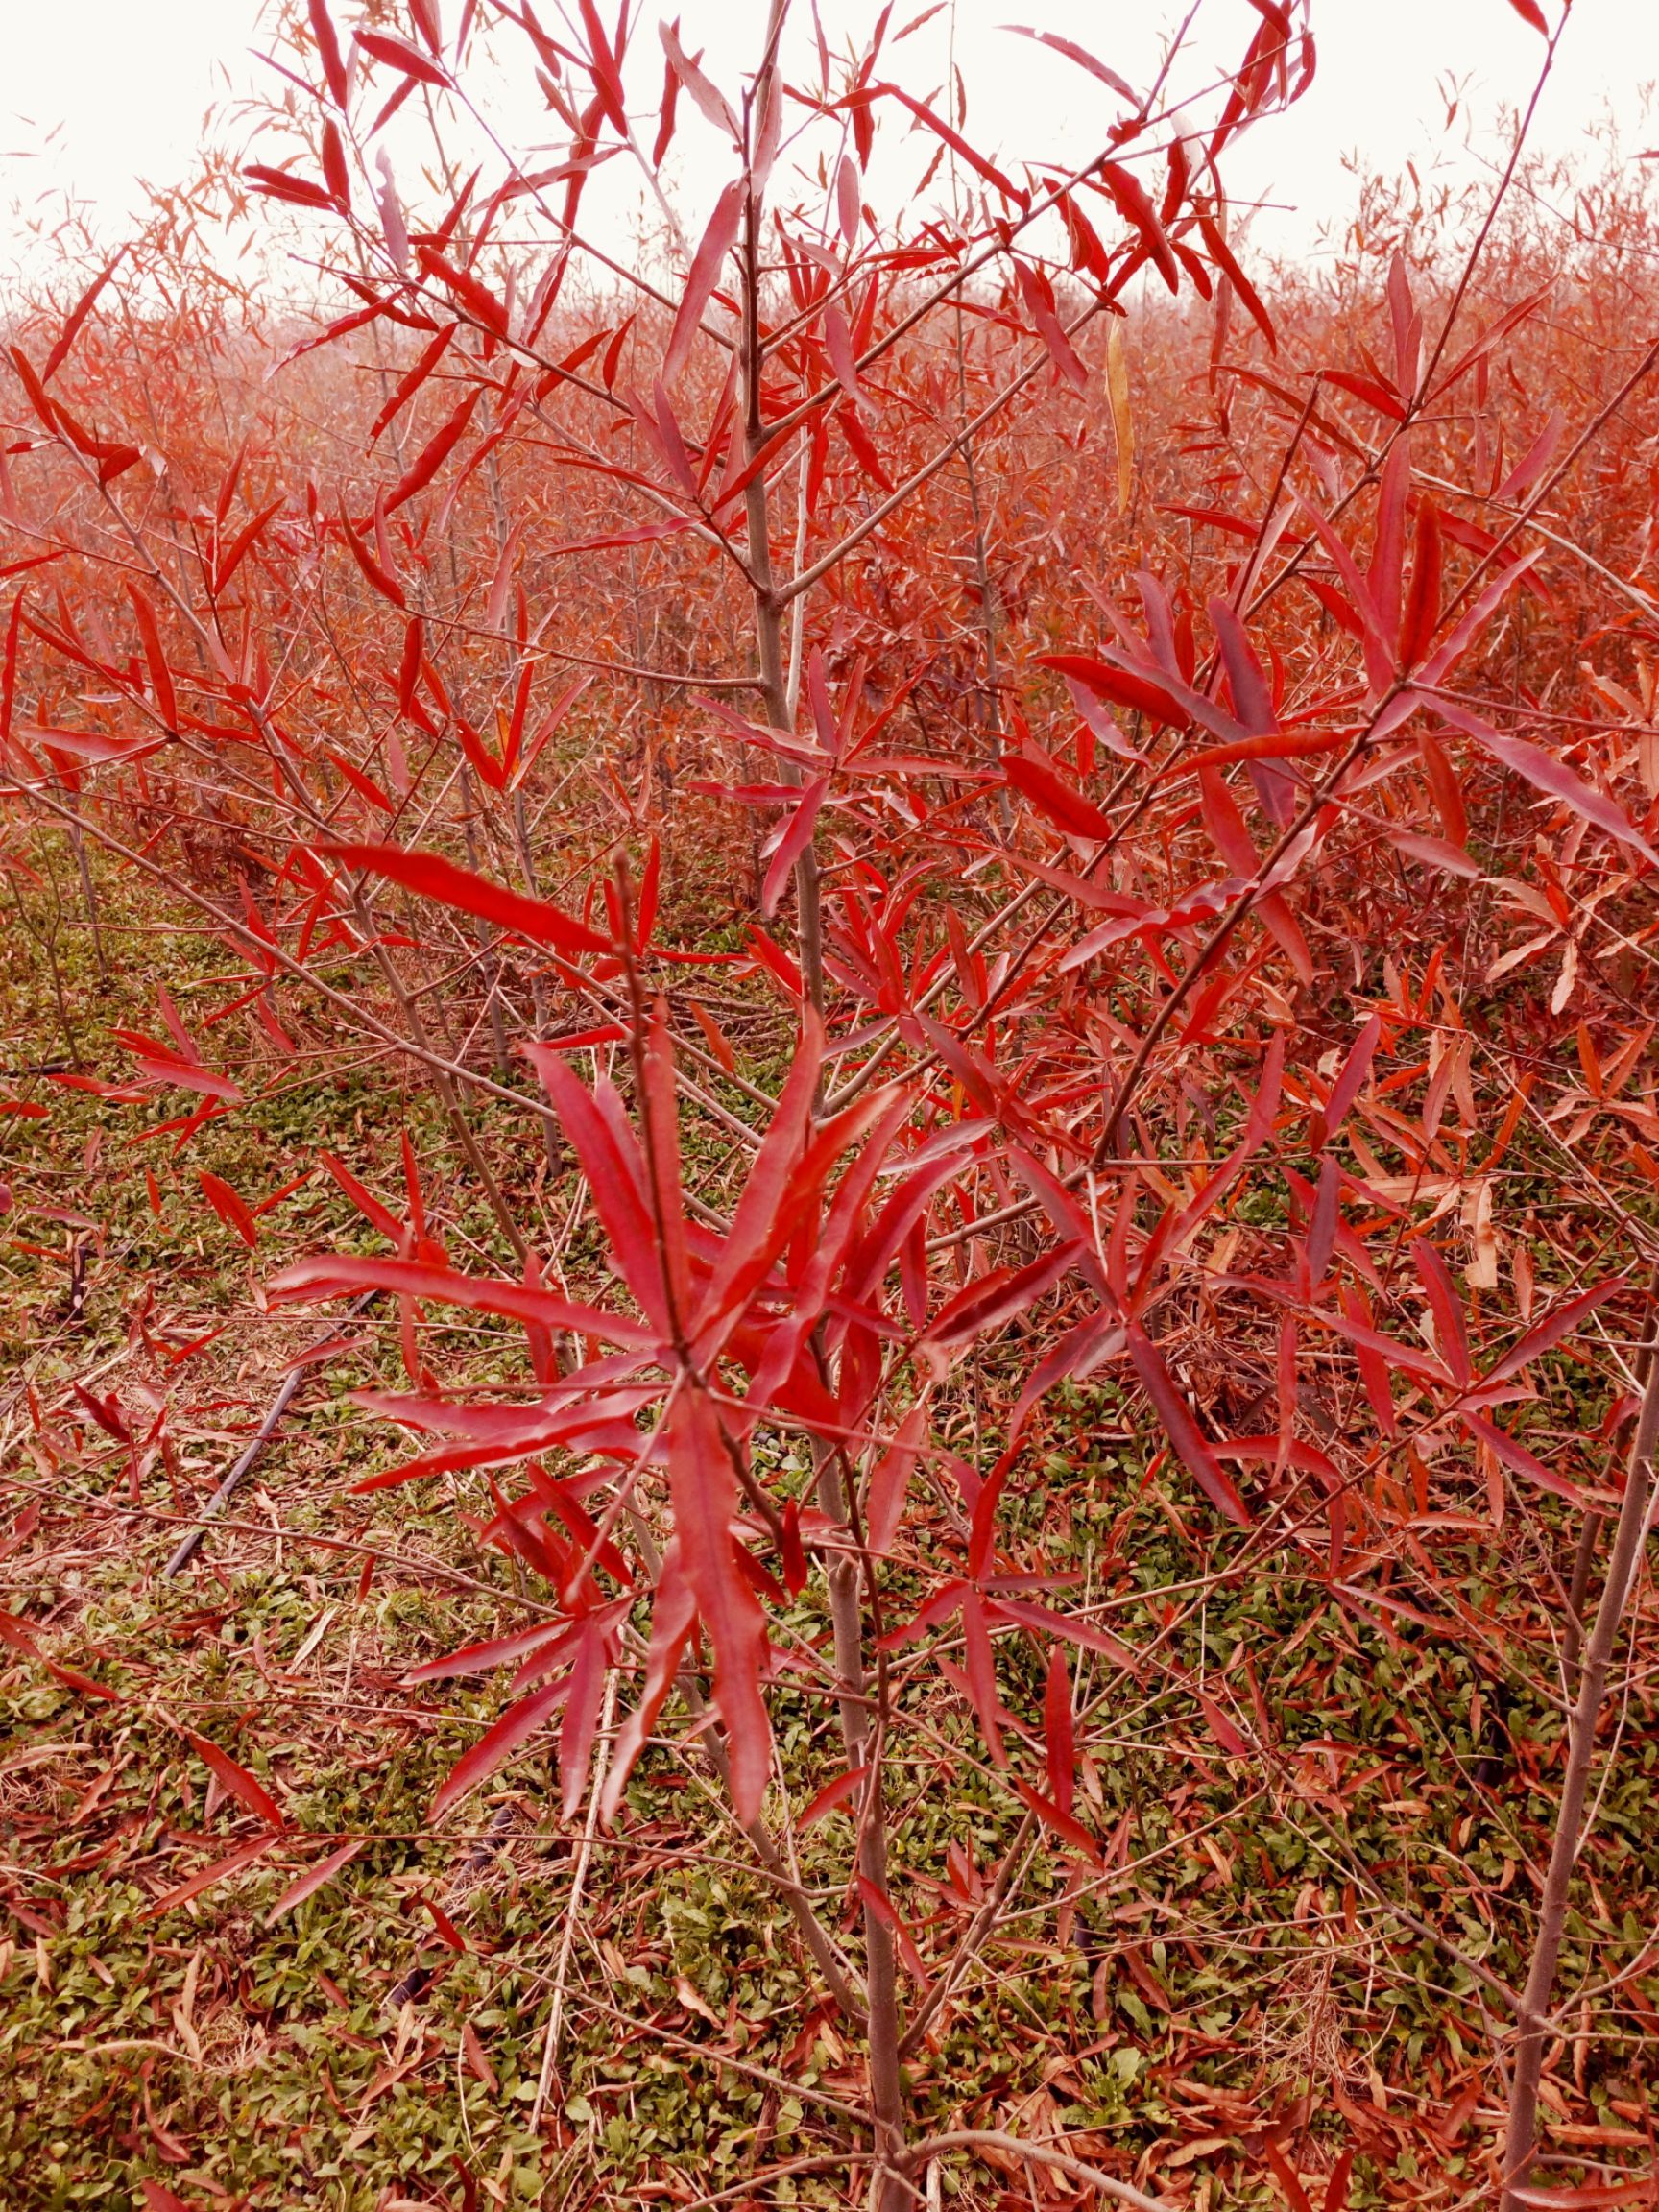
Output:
x,y
845,1612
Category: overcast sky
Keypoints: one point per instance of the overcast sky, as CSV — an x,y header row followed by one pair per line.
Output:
x,y
99,93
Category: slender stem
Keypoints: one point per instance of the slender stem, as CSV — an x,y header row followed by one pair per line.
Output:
x,y
573,1908
1621,1570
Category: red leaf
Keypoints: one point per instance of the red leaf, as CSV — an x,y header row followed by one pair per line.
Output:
x,y
241,1784
831,1794
448,1934
329,52
158,2198
889,1480
226,565
1221,253
1515,1456
1450,1332
1423,600
1118,688
479,298
773,1196
932,121
610,1161
1548,1332
412,379
981,1674
717,242
711,101
1058,1734
232,1862
1221,1728
776,961
1136,209
1552,777
991,1299
605,64
314,1878
398,54
863,447
432,455
1530,12
1075,53
433,877
365,1203
1032,772
1353,1071
703,1488
795,836
581,1718
338,176
329,1276
519,1723
229,1207
1039,299
383,578
1289,2180
283,184
78,315
1064,1826
1183,1432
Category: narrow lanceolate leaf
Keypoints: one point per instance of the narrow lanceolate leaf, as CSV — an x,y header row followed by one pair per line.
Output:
x,y
221,1870
610,1161
433,455
795,834
1052,1815
411,381
1137,209
1058,1734
717,241
1223,257
329,1276
315,1877
1182,1429
77,314
515,1726
242,1784
328,53
890,1480
702,1490
398,54
673,1617
763,1223
711,101
1552,777
1031,772
433,877
581,1722
1515,1456
1075,53
228,1206
1120,688
1552,1331
831,1794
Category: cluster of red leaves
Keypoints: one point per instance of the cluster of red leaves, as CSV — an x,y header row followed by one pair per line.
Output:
x,y
1107,888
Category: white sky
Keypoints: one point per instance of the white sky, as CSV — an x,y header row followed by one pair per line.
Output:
x,y
99,93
